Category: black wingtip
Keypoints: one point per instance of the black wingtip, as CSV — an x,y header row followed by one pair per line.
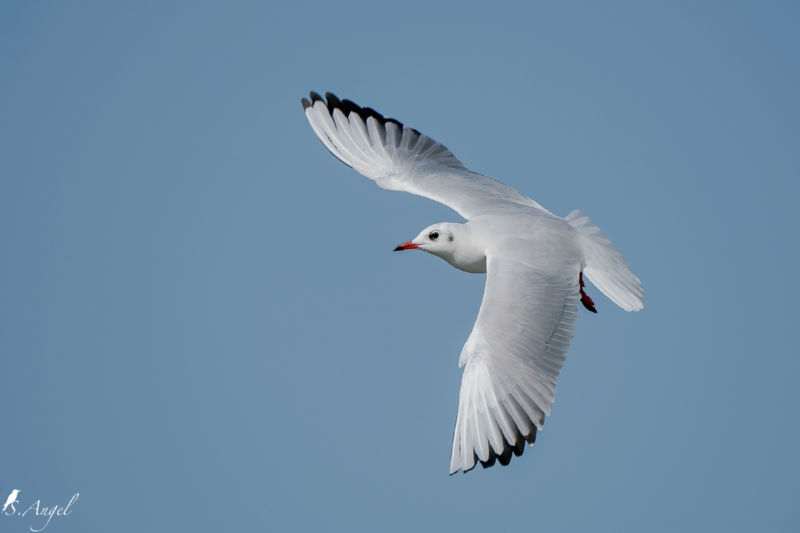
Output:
x,y
306,103
490,461
333,100
531,438
348,106
508,452
505,457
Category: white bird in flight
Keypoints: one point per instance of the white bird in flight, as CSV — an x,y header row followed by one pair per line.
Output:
x,y
534,261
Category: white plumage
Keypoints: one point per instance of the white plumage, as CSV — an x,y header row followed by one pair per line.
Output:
x,y
533,259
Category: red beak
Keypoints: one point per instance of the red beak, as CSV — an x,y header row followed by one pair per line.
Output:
x,y
408,245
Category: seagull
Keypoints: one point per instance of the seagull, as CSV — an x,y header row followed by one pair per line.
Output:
x,y
534,262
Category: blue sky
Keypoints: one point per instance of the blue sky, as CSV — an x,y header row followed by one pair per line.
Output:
x,y
202,325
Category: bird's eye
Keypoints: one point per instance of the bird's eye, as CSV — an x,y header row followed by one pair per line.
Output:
x,y
433,235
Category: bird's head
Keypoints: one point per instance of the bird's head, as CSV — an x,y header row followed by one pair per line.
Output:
x,y
437,239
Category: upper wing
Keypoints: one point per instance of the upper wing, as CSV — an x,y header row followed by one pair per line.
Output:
x,y
513,357
400,158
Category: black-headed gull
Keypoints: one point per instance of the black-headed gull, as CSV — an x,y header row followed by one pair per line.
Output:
x,y
535,263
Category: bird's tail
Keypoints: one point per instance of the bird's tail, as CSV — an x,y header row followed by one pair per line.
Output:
x,y
605,266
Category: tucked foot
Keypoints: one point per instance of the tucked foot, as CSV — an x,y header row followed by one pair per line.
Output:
x,y
585,300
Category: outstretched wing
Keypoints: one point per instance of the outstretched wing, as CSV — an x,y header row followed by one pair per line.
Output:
x,y
513,356
400,158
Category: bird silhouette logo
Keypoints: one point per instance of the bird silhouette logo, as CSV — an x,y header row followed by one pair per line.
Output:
x,y
12,499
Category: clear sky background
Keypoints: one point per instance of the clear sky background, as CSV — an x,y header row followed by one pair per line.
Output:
x,y
203,327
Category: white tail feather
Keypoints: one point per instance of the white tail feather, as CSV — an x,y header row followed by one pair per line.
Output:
x,y
605,266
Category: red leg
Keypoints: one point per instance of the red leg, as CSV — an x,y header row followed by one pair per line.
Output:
x,y
585,300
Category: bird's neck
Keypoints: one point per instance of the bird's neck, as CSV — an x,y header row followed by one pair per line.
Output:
x,y
469,255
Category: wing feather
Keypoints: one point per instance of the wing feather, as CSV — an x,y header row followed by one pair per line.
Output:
x,y
513,358
400,158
